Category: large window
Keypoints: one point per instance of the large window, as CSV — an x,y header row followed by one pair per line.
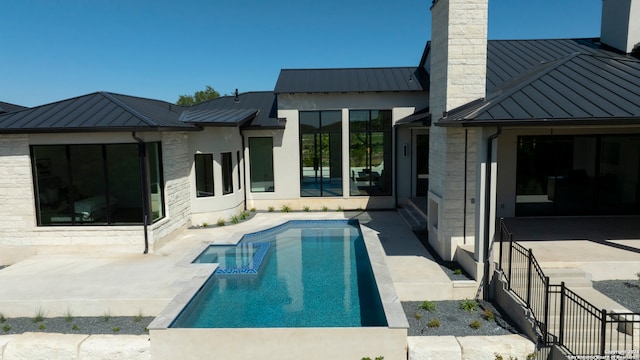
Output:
x,y
204,175
578,175
227,173
321,153
92,184
261,164
370,154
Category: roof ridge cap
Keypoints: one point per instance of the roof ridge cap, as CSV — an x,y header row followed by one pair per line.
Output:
x,y
134,112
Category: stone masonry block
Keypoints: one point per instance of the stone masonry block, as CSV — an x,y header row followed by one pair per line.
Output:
x,y
433,348
43,346
485,347
116,347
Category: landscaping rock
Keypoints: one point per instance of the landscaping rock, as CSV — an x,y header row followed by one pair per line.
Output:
x,y
486,347
43,346
433,348
116,347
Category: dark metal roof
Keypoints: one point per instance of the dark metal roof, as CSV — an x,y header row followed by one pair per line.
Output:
x,y
6,107
593,88
100,111
420,117
507,59
229,109
351,80
223,117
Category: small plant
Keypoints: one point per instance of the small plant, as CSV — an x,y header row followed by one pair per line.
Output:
x,y
220,222
138,317
434,323
468,305
75,327
41,327
270,209
39,316
532,356
498,356
428,305
324,208
377,358
116,329
638,275
2,318
306,208
286,208
457,272
244,215
6,328
205,224
252,209
106,316
235,219
475,324
488,315
340,209
68,316
418,316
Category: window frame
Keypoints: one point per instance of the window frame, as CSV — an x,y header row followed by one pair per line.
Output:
x,y
226,162
209,180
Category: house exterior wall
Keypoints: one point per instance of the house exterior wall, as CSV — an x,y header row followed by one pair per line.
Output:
x,y
458,76
18,223
216,140
287,147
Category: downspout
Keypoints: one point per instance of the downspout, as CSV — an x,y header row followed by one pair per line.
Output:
x,y
464,197
142,157
244,178
487,212
395,169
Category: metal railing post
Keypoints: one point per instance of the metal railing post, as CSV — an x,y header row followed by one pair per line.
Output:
x,y
530,254
501,242
603,331
510,261
545,329
561,329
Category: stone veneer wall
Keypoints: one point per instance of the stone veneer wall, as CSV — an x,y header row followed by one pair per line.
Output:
x,y
176,162
17,209
458,76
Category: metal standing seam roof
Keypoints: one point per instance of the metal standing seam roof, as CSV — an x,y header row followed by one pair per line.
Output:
x,y
251,110
6,107
575,89
351,80
100,111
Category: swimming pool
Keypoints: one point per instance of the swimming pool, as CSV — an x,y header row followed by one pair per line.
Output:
x,y
299,274
319,342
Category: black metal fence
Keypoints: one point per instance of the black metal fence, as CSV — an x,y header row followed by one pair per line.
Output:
x,y
561,316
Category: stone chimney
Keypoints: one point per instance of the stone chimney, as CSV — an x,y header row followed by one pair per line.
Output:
x,y
621,24
458,53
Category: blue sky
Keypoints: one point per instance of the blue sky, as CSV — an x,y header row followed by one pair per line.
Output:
x,y
57,49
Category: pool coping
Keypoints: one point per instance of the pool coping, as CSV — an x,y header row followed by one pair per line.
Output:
x,y
394,313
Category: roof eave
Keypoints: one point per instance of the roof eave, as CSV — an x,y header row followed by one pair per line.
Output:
x,y
540,122
96,130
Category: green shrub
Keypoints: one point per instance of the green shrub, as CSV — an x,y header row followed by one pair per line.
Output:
x,y
286,208
220,222
324,208
39,316
2,318
252,209
418,316
488,315
468,305
244,215
428,305
205,224
6,328
106,316
116,329
434,323
270,209
305,208
138,317
68,316
41,327
475,324
340,209
75,327
235,219
457,272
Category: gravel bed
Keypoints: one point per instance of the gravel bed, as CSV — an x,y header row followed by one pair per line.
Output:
x,y
454,321
624,292
129,325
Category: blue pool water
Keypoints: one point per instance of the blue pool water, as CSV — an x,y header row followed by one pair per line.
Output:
x,y
300,274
